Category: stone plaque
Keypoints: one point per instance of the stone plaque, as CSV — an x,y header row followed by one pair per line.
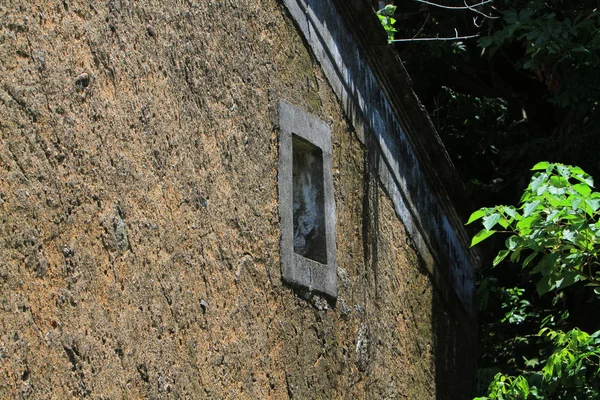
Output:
x,y
306,203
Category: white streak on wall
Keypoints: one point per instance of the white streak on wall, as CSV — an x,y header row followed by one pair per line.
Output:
x,y
367,106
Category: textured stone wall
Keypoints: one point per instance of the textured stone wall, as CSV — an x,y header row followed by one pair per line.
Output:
x,y
139,232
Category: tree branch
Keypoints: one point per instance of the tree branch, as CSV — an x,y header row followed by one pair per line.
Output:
x,y
478,12
582,274
466,7
422,26
434,39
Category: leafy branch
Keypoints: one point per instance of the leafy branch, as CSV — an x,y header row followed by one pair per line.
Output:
x,y
470,7
557,227
387,20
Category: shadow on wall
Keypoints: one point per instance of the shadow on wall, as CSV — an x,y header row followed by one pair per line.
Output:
x,y
454,348
445,335
371,208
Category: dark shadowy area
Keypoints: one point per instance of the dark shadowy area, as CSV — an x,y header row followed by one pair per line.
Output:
x,y
526,90
498,108
452,324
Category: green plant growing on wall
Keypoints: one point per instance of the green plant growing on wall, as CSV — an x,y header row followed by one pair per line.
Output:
x,y
555,235
386,17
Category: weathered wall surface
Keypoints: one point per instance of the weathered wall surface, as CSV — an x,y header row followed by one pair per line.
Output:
x,y
139,232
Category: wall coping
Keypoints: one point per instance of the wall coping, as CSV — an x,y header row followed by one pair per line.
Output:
x,y
376,93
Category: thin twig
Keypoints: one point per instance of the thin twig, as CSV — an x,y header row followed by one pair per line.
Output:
x,y
582,274
478,12
435,39
475,22
422,26
467,7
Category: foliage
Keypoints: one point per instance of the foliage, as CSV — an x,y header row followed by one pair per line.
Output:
x,y
557,226
528,89
472,128
387,21
509,338
507,387
572,371
540,60
517,308
561,47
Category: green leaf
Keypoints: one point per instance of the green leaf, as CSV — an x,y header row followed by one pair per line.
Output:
x,y
477,215
541,190
541,166
558,181
489,221
555,214
568,278
537,180
576,202
544,285
554,200
585,178
512,242
512,212
545,264
577,171
582,189
530,207
564,171
523,386
510,16
389,9
557,191
516,255
481,236
532,363
525,223
500,257
486,41
530,258
594,204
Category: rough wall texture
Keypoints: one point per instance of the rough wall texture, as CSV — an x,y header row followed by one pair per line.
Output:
x,y
139,232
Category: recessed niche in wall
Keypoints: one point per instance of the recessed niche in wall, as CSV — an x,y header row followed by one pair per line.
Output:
x,y
308,200
306,204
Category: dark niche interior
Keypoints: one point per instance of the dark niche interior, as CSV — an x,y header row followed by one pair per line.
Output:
x,y
309,202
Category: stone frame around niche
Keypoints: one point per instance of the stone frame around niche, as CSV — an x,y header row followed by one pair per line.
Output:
x,y
309,138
